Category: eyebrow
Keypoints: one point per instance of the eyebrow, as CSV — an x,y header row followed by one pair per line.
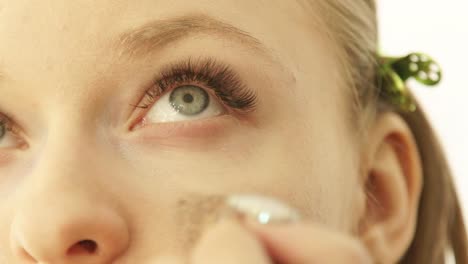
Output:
x,y
159,33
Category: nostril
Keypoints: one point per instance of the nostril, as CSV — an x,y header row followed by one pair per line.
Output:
x,y
88,245
83,247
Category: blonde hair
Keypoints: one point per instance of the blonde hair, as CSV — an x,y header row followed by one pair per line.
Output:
x,y
352,26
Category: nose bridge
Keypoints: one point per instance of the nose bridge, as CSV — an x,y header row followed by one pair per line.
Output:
x,y
64,212
64,164
69,149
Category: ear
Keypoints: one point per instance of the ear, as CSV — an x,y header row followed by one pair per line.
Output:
x,y
393,183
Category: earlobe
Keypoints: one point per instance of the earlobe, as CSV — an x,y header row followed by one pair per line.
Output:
x,y
393,184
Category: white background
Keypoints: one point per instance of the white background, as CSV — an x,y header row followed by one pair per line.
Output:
x,y
439,28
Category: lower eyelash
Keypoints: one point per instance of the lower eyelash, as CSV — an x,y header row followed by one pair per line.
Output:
x,y
203,128
210,74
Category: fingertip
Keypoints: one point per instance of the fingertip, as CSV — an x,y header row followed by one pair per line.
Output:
x,y
309,243
228,242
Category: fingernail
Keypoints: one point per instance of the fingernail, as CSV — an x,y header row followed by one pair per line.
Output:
x,y
263,210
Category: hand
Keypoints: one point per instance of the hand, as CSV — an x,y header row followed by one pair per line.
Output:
x,y
232,242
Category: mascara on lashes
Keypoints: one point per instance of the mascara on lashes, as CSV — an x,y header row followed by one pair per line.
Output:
x,y
209,74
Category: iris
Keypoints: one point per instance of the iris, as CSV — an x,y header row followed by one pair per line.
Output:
x,y
189,100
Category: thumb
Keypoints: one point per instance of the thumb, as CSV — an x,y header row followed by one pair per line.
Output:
x,y
228,242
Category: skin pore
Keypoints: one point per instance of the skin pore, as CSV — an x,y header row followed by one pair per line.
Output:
x,y
83,160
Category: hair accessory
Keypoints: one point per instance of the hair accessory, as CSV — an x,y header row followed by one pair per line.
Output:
x,y
395,71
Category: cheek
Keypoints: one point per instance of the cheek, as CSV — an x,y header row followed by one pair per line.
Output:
x,y
314,172
315,157
317,176
301,152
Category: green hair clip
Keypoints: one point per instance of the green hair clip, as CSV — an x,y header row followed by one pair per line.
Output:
x,y
395,71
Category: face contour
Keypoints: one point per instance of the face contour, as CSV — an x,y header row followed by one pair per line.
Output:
x,y
114,113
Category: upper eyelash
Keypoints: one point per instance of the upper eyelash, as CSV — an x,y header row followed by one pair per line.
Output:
x,y
7,124
221,79
11,127
4,122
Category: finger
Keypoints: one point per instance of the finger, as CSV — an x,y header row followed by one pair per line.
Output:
x,y
229,243
166,260
308,243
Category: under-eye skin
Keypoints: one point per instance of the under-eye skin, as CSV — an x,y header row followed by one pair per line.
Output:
x,y
196,85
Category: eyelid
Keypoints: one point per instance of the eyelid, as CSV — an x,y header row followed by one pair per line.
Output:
x,y
186,132
208,73
12,122
216,78
152,99
8,123
155,93
12,127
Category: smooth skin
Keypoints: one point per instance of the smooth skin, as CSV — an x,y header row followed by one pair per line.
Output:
x,y
74,169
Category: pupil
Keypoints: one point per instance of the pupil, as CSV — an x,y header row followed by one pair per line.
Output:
x,y
188,98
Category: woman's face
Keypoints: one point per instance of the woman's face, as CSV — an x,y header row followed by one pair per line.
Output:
x,y
120,118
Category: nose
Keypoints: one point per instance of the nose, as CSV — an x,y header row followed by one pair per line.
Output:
x,y
63,215
68,234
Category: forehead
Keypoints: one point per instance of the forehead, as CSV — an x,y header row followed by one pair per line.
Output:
x,y
69,43
63,30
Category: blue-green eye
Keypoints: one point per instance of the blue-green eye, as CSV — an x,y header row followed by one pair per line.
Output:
x,y
197,89
186,102
189,100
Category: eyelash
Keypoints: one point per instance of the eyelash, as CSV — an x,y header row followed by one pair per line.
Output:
x,y
207,74
3,126
8,125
